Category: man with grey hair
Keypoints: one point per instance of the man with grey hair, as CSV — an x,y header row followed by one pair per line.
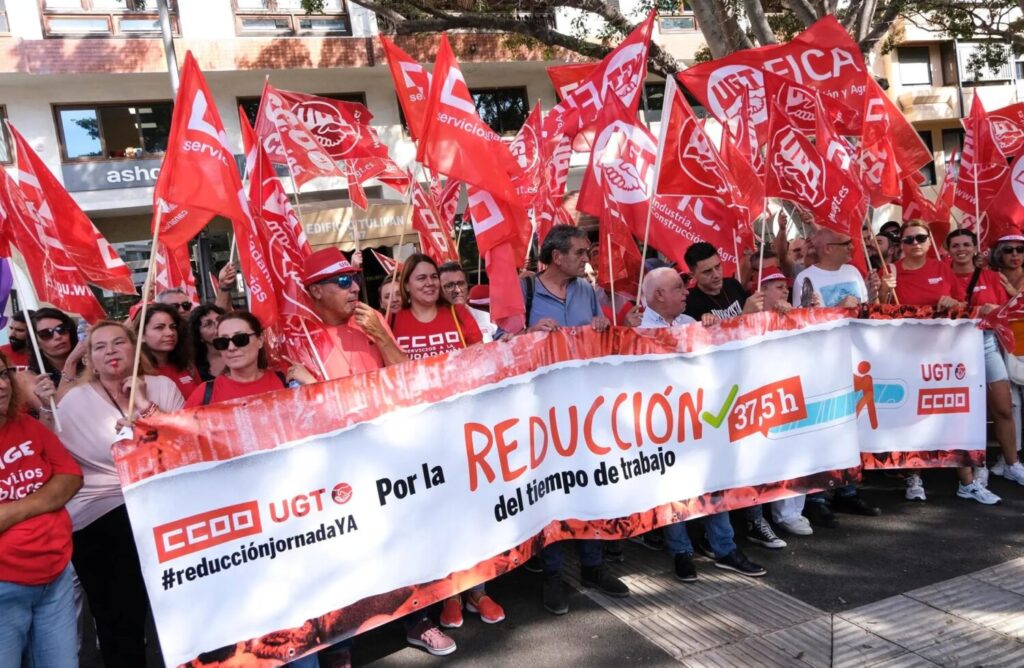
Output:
x,y
665,295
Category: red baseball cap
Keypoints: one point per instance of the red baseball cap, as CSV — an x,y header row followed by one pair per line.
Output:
x,y
480,295
323,264
773,276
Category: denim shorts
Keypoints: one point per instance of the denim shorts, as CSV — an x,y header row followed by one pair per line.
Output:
x,y
995,366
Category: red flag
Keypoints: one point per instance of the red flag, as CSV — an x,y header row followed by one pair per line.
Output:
x,y
286,139
567,78
56,278
983,169
1007,207
412,82
744,134
678,222
915,205
495,221
447,202
388,264
342,128
556,153
614,230
1000,319
249,140
435,238
63,220
198,175
356,194
507,308
751,195
455,142
526,149
732,85
621,73
890,147
173,271
1008,129
797,171
384,170
799,103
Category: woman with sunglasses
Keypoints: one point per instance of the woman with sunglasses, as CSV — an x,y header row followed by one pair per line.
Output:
x,y
429,325
104,555
921,280
985,293
240,342
202,329
57,335
1007,258
165,343
39,624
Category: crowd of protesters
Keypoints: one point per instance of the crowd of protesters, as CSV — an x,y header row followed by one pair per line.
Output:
x,y
64,530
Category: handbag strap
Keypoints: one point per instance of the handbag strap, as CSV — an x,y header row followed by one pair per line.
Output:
x,y
458,325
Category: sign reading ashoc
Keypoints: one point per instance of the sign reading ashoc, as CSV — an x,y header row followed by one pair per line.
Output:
x,y
270,526
110,174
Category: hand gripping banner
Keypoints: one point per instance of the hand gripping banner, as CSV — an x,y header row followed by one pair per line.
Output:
x,y
270,526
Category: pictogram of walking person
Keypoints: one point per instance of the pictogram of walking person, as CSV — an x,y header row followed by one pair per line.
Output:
x,y
864,383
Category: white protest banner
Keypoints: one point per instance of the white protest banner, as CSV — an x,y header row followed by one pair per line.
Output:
x,y
269,526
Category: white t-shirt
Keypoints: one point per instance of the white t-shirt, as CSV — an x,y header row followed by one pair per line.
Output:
x,y
87,419
652,320
831,286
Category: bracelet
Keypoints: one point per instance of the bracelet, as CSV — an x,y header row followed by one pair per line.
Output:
x,y
148,412
68,378
229,286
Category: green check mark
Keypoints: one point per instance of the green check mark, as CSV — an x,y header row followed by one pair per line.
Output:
x,y
716,420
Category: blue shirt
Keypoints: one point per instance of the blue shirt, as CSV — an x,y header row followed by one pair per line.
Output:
x,y
579,308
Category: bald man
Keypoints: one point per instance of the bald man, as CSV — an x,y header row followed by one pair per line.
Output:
x,y
665,294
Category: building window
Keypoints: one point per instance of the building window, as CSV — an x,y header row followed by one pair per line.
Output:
x,y
1019,65
681,19
928,171
503,109
114,131
968,54
5,27
251,105
287,17
653,101
105,18
915,65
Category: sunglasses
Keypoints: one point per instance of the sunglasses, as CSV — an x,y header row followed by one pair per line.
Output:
x,y
183,306
848,243
1017,250
50,332
344,281
240,340
915,239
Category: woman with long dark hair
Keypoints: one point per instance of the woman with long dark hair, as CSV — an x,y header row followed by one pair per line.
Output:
x,y
202,329
165,343
57,336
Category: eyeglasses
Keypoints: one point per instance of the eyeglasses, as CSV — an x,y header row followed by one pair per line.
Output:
x,y
1017,250
240,340
344,281
8,373
454,285
915,239
183,306
50,332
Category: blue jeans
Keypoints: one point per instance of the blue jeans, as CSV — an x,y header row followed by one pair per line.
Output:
x,y
822,497
39,627
716,527
591,554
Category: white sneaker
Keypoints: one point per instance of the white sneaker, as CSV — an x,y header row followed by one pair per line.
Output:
x,y
999,466
981,475
1014,472
915,488
798,526
978,493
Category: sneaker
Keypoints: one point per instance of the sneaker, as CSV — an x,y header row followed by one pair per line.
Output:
x,y
489,611
738,562
760,532
652,540
978,493
428,636
798,526
598,578
999,466
1014,472
451,613
534,565
685,570
703,547
613,552
981,475
820,515
855,505
554,594
915,488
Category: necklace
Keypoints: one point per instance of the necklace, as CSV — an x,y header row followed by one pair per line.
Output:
x,y
109,396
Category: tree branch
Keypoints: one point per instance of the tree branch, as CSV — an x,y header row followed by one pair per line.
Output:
x,y
881,27
759,22
867,12
803,11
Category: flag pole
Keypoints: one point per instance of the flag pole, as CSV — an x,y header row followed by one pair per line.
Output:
x,y
142,312
669,96
401,241
977,203
23,290
316,353
611,278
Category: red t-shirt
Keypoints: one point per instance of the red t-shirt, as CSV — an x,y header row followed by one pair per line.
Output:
x,y
226,388
926,285
33,552
14,358
346,350
437,337
987,290
186,380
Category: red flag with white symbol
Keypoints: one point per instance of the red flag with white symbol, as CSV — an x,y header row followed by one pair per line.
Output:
x,y
526,149
412,82
388,264
1008,129
173,271
342,128
679,221
435,237
983,169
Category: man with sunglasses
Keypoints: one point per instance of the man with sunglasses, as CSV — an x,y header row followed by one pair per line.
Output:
x,y
177,298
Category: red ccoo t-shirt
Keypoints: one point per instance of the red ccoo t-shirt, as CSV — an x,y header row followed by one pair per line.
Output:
x,y
440,335
226,388
33,552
